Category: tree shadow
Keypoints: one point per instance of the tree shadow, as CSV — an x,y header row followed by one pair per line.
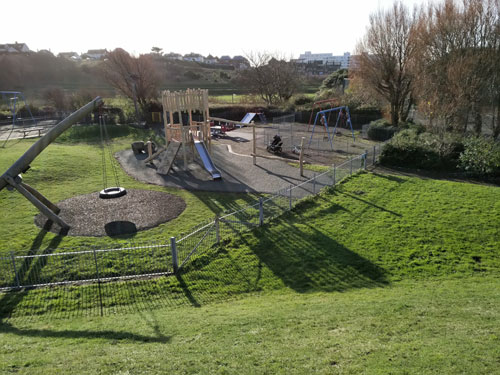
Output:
x,y
306,259
72,334
28,271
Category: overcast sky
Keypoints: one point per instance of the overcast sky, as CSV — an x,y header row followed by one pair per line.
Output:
x,y
219,27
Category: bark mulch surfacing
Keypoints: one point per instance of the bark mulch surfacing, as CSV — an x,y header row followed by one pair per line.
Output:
x,y
89,215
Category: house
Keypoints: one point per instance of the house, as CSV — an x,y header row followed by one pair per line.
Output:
x,y
69,55
95,54
196,57
211,60
240,62
173,56
225,59
12,48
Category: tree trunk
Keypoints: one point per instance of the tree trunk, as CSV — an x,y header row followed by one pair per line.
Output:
x,y
478,120
496,127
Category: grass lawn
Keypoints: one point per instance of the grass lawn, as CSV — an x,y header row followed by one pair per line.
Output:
x,y
426,327
384,274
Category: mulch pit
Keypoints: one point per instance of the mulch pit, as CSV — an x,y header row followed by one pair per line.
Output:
x,y
89,215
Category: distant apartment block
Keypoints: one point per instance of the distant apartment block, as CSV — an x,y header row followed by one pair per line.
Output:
x,y
325,59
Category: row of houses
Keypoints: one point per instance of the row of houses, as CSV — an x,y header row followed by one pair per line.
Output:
x,y
237,61
22,48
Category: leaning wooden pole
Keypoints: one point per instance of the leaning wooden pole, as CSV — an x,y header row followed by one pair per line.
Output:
x,y
13,178
24,161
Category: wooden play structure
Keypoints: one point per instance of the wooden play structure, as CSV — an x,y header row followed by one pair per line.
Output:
x,y
182,131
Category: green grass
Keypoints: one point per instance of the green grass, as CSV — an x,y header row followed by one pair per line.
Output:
x,y
371,231
384,274
430,327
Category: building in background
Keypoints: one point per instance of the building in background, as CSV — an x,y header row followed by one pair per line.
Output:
x,y
326,59
14,48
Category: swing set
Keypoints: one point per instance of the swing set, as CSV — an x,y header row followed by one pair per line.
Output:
x,y
10,100
343,117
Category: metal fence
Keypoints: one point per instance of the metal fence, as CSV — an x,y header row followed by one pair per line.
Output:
x,y
291,134
95,265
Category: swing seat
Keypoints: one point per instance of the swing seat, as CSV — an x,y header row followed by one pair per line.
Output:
x,y
112,192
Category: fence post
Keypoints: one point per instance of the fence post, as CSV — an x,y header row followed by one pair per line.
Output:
x,y
374,151
351,166
98,280
13,258
334,174
365,156
314,184
261,211
173,248
290,197
217,230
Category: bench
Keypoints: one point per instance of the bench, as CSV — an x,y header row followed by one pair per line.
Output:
x,y
26,131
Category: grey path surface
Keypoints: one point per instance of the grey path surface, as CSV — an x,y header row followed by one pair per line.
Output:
x,y
238,173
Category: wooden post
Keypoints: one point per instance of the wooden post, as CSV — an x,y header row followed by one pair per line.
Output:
x,y
301,158
149,145
183,140
254,144
36,202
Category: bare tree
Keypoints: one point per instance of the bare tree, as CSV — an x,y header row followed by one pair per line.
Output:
x,y
134,77
458,60
271,77
384,61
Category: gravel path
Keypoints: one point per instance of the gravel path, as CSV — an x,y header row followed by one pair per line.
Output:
x,y
89,215
238,172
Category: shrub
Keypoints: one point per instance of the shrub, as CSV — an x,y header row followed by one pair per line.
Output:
x,y
480,157
302,100
381,130
413,149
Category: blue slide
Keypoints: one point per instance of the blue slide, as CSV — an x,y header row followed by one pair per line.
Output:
x,y
207,161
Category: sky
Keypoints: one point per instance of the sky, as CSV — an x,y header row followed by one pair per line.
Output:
x,y
217,27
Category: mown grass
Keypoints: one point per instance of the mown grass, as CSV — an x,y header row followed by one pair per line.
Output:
x,y
384,274
369,232
425,327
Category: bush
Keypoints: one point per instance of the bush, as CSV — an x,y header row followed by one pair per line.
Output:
x,y
413,149
480,157
381,130
302,100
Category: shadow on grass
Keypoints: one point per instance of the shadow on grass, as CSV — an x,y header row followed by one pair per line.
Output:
x,y
308,260
72,334
289,253
28,270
